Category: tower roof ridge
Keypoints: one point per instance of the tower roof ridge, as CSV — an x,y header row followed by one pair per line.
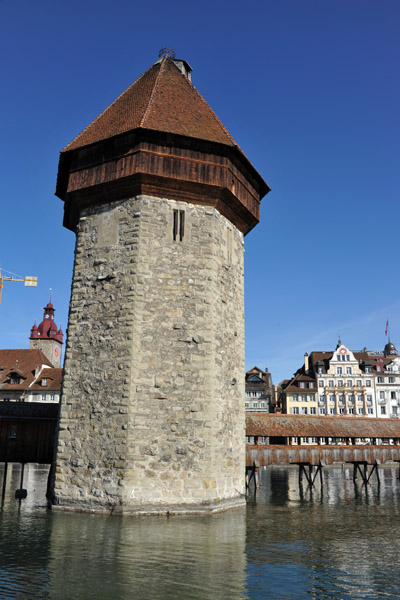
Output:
x,y
153,92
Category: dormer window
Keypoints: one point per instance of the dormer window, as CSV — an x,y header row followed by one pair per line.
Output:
x,y
44,382
15,380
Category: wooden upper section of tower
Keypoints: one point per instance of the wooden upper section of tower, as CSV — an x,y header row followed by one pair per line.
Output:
x,y
160,138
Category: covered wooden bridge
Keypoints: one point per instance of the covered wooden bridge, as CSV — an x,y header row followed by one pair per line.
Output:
x,y
311,441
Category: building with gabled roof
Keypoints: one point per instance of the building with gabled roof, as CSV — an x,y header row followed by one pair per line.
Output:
x,y
299,395
28,376
362,383
259,390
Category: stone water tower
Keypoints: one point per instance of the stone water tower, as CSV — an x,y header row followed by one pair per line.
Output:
x,y
160,197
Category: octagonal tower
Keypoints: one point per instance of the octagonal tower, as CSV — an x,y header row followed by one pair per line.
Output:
x,y
160,197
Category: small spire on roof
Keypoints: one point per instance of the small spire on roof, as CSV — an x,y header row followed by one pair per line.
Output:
x,y
166,52
339,343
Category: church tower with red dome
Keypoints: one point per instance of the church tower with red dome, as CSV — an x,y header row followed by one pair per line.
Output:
x,y
47,337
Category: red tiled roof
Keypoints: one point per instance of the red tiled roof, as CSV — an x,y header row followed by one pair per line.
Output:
x,y
276,425
54,379
291,385
162,99
24,361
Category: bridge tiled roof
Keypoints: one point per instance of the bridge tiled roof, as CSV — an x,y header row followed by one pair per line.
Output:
x,y
281,425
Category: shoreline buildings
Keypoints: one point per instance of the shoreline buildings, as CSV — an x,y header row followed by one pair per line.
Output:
x,y
343,382
34,374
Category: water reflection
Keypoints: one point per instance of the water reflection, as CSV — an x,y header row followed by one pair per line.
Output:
x,y
338,540
150,557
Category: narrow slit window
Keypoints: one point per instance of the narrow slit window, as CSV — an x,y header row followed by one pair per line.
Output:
x,y
229,245
178,227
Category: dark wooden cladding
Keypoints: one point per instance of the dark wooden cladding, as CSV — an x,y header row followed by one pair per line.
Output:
x,y
34,441
27,431
188,170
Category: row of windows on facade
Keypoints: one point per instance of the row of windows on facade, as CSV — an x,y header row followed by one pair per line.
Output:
x,y
15,380
342,411
380,379
350,397
39,397
349,383
304,410
339,371
383,395
255,405
342,398
367,370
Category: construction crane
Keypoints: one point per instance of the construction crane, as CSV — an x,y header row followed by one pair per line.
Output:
x,y
29,281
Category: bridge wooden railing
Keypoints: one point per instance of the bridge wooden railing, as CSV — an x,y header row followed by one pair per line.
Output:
x,y
262,456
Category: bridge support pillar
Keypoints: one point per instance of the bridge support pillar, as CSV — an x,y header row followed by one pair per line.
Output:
x,y
4,480
362,468
21,493
252,473
306,469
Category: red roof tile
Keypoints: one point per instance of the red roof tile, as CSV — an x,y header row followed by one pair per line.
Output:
x,y
275,425
54,379
22,361
162,99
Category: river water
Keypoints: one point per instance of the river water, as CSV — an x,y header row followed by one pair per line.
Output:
x,y
340,541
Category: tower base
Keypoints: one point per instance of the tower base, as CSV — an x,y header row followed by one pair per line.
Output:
x,y
157,509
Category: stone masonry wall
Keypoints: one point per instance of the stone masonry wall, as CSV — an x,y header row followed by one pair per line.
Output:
x,y
152,412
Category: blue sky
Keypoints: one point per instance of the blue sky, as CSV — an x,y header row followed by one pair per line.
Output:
x,y
310,91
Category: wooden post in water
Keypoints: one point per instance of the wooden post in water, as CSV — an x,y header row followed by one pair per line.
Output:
x,y
310,476
21,493
4,480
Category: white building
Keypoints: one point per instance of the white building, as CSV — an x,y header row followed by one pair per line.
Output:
x,y
387,381
345,382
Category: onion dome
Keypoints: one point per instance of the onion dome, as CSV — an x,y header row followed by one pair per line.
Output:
x,y
390,350
47,328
